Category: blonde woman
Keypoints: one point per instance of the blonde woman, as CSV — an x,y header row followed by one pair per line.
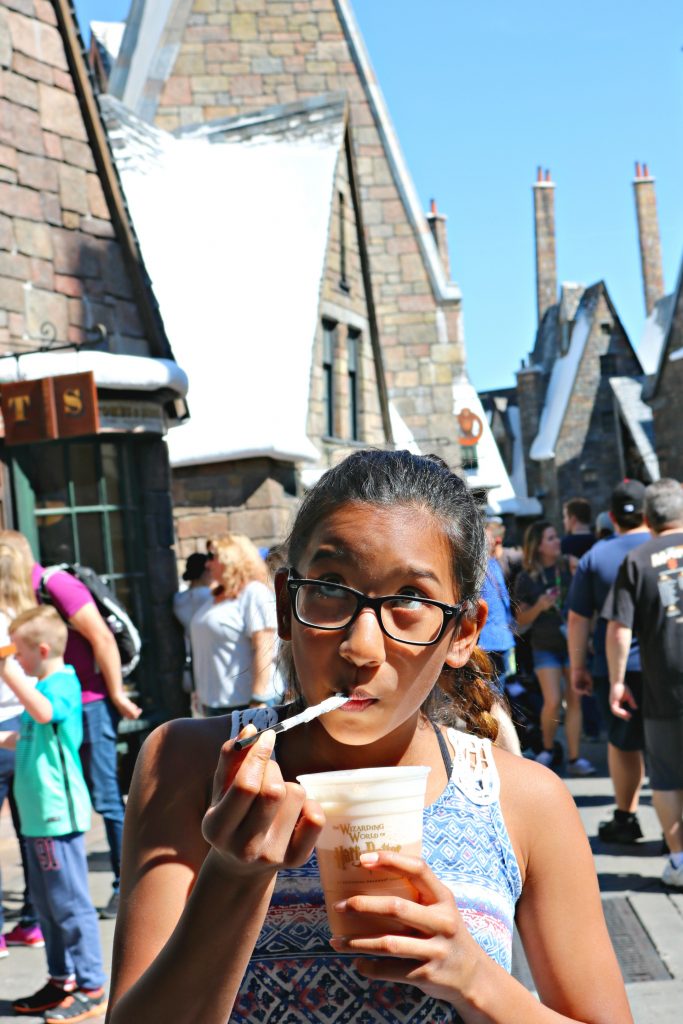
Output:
x,y
541,594
233,634
16,596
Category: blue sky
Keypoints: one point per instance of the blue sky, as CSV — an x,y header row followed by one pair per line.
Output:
x,y
482,93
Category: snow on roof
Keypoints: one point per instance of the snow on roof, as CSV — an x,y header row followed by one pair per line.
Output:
x,y
654,334
234,237
112,370
109,35
527,506
559,390
638,418
148,54
402,434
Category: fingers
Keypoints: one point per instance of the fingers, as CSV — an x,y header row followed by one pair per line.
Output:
x,y
305,834
429,888
619,712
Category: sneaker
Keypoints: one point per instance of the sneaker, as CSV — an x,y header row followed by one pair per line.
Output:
x,y
109,912
673,875
580,768
78,1005
545,758
3,947
620,830
46,998
29,936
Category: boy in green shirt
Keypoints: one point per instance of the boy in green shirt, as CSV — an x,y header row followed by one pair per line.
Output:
x,y
54,808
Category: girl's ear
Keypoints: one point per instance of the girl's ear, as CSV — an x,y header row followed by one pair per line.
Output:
x,y
465,637
283,605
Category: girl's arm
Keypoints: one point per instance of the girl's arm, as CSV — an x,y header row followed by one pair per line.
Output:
x,y
196,884
559,916
37,705
528,613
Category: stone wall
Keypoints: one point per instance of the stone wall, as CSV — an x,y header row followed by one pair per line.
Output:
x,y
61,268
666,403
588,458
251,496
243,55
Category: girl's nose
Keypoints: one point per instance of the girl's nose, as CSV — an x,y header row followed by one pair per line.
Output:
x,y
363,642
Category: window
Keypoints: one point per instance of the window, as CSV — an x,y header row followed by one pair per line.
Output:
x,y
329,346
354,391
76,502
343,281
608,365
470,459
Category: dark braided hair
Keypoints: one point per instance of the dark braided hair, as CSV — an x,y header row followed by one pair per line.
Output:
x,y
398,478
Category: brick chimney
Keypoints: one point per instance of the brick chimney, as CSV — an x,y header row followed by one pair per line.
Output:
x,y
544,225
648,236
437,226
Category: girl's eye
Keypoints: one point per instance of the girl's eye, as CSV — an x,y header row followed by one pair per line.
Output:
x,y
329,590
407,602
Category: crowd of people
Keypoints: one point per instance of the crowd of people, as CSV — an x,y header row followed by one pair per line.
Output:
x,y
580,628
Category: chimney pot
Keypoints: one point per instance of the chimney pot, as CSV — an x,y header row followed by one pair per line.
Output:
x,y
646,173
547,175
432,206
539,174
637,168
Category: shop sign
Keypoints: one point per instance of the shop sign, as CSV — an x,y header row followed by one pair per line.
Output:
x,y
130,416
49,408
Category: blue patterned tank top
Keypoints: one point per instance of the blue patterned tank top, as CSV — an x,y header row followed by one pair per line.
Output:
x,y
295,976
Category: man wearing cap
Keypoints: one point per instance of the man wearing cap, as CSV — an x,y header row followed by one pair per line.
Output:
x,y
595,574
647,599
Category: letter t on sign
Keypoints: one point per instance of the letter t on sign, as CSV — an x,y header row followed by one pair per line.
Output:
x,y
28,409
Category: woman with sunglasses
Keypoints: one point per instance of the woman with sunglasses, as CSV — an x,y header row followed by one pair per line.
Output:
x,y
222,914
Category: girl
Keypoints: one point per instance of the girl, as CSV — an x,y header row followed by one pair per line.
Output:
x,y
222,914
541,592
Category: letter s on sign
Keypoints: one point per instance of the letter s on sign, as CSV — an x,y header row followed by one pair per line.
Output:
x,y
73,402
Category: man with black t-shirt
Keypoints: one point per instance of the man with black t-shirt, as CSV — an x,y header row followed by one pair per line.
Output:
x,y
647,599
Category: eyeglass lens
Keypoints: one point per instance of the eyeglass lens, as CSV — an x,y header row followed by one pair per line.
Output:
x,y
404,618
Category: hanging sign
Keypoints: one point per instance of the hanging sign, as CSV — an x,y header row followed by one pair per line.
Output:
x,y
49,408
471,427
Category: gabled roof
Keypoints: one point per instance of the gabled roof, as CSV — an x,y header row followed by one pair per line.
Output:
x,y
148,53
235,237
667,352
108,35
564,372
654,334
637,417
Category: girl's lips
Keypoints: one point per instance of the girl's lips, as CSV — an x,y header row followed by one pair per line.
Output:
x,y
358,704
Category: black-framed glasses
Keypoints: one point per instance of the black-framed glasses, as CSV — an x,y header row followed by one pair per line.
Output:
x,y
410,619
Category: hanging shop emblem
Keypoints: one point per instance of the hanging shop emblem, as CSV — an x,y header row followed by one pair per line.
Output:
x,y
50,408
471,427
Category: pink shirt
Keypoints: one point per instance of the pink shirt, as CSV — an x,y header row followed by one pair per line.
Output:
x,y
69,596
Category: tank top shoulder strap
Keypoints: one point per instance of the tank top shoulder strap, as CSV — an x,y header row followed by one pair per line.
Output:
x,y
474,769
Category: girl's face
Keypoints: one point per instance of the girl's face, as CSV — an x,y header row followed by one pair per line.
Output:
x,y
402,550
549,548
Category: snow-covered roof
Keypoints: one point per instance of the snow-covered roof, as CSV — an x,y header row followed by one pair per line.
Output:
x,y
148,53
112,371
559,390
109,35
234,237
637,417
527,506
654,333
671,335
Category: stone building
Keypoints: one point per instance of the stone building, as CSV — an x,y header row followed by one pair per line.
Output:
x,y
267,299
578,401
88,380
666,385
185,63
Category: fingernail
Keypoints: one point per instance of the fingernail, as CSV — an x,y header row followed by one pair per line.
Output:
x,y
340,907
369,858
266,740
248,730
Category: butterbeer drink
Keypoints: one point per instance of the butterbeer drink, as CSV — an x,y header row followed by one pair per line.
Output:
x,y
367,810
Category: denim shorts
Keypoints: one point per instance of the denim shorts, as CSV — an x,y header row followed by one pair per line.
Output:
x,y
548,659
663,744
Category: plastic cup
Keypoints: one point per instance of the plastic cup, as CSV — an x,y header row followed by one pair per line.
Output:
x,y
366,810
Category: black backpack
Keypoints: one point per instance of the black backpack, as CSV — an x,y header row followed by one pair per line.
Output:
x,y
110,608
